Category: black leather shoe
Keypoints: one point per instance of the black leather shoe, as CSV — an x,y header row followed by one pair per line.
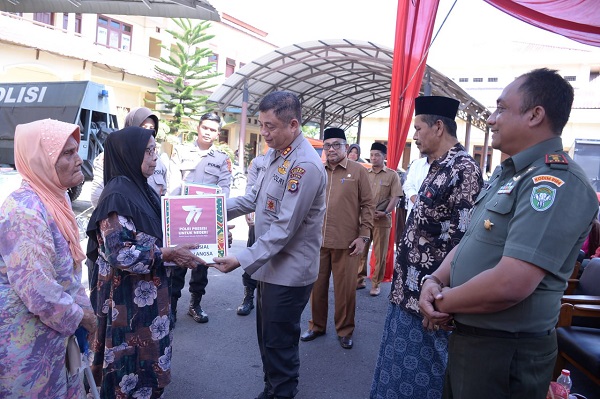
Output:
x,y
346,342
309,335
198,314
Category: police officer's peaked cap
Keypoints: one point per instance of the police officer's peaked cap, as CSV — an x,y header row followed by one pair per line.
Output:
x,y
334,133
436,105
379,147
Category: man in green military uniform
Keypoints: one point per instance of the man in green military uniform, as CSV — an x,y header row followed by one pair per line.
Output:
x,y
503,283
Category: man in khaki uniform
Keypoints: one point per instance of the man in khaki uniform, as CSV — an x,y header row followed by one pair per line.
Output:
x,y
346,230
387,190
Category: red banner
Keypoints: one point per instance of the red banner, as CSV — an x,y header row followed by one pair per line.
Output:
x,y
414,29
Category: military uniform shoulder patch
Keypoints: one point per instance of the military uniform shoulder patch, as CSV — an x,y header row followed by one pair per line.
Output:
x,y
293,185
548,179
297,172
556,159
542,197
229,164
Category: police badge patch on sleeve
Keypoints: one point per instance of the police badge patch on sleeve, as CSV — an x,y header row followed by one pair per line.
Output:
x,y
293,185
542,197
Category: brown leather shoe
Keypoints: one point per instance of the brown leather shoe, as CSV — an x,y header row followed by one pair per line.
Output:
x,y
309,335
346,342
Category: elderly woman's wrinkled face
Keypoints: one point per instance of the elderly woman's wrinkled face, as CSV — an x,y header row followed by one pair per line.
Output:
x,y
68,165
150,157
353,154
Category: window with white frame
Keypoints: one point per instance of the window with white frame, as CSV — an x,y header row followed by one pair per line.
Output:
x,y
113,33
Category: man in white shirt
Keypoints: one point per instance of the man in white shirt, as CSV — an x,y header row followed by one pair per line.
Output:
x,y
417,172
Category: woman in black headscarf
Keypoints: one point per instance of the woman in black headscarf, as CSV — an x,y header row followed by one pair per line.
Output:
x,y
130,288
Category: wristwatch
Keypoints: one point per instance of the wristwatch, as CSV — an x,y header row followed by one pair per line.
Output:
x,y
430,277
365,239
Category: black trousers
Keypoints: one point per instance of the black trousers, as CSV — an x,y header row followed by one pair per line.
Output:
x,y
248,281
278,330
198,281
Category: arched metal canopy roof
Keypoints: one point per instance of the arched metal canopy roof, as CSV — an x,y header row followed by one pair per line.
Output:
x,y
336,80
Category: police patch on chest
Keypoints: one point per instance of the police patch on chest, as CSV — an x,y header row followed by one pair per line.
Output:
x,y
272,204
283,168
542,197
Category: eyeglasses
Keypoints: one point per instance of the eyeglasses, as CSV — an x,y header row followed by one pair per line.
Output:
x,y
150,151
335,146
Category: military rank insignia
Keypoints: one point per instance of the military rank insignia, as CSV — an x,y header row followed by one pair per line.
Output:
x,y
287,151
556,159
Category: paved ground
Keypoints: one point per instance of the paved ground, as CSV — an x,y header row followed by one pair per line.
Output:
x,y
220,359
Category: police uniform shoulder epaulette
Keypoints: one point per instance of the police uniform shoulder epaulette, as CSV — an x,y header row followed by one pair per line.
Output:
x,y
557,161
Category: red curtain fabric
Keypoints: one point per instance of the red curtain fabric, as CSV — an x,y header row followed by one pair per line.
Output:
x,y
414,28
576,19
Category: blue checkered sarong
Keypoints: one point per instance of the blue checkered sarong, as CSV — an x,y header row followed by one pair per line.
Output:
x,y
411,361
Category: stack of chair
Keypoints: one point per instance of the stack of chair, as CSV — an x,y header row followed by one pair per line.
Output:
x,y
578,328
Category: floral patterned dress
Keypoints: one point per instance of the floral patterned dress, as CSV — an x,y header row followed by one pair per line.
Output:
x,y
41,301
132,348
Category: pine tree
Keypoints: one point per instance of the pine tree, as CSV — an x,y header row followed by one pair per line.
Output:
x,y
183,76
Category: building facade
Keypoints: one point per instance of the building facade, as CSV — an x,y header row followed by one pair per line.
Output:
x,y
120,52
484,77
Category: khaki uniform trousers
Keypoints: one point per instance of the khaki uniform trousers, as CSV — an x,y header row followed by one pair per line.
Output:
x,y
343,267
380,237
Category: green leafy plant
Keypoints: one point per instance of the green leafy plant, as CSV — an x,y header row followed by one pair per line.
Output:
x,y
183,77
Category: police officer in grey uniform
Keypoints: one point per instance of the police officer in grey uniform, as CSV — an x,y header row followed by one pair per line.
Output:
x,y
204,164
288,199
